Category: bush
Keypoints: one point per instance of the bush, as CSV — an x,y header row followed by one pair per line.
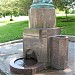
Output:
x,y
72,12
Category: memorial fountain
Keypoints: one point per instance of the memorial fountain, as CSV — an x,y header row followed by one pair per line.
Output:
x,y
43,46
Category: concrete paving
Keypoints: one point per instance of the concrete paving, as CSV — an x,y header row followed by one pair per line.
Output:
x,y
7,53
15,50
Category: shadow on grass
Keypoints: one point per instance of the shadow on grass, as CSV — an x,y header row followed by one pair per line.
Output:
x,y
68,19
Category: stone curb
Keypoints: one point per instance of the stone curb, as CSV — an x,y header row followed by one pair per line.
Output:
x,y
72,38
11,42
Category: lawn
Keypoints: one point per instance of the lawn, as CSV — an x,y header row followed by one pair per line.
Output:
x,y
14,31
67,28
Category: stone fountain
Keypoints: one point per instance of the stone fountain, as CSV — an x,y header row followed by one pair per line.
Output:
x,y
43,46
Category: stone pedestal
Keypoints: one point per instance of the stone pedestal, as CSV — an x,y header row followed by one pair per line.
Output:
x,y
42,18
37,39
58,51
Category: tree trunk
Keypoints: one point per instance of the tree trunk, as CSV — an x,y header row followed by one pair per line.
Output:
x,y
66,14
11,17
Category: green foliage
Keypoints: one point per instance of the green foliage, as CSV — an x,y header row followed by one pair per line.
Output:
x,y
16,7
21,7
9,6
64,5
72,12
24,6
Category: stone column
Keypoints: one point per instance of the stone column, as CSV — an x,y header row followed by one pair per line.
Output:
x,y
58,52
42,18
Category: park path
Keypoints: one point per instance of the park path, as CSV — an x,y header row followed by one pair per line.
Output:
x,y
4,21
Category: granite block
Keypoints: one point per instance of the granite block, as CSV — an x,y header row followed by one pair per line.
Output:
x,y
59,52
42,18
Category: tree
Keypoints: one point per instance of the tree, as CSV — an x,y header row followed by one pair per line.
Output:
x,y
9,6
60,3
12,7
64,5
24,6
17,7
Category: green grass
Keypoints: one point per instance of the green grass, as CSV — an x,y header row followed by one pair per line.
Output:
x,y
4,22
67,28
12,31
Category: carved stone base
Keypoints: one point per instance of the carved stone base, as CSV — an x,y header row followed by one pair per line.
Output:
x,y
37,39
42,18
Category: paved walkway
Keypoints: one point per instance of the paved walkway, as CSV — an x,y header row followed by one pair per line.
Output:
x,y
7,52
10,51
4,21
